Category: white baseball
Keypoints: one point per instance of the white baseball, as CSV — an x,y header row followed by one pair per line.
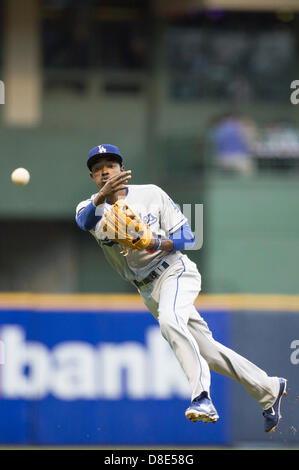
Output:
x,y
20,176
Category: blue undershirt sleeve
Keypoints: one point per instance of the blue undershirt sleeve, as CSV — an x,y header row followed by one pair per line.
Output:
x,y
86,219
183,238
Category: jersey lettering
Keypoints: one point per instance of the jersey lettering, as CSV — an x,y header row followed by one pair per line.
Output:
x,y
150,219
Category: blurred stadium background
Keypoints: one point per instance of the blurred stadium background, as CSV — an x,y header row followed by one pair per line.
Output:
x,y
197,95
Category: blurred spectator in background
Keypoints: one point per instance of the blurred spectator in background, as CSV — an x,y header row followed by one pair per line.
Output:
x,y
278,144
233,141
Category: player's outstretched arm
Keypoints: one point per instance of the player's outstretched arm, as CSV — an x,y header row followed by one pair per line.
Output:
x,y
87,218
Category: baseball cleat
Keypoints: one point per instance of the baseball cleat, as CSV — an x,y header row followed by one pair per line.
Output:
x,y
272,415
202,409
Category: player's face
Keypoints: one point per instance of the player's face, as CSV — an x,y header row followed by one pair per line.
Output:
x,y
104,169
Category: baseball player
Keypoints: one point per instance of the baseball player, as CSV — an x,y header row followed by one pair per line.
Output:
x,y
142,233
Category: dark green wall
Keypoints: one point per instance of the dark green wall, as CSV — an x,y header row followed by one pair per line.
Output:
x,y
253,235
57,164
56,151
251,225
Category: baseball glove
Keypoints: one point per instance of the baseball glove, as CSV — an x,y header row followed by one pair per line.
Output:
x,y
123,226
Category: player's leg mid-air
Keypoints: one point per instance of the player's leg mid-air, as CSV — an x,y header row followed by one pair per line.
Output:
x,y
272,415
268,391
203,409
198,352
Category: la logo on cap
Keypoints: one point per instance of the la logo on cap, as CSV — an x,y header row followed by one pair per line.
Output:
x,y
102,149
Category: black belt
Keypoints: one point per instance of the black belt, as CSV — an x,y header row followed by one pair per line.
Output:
x,y
153,275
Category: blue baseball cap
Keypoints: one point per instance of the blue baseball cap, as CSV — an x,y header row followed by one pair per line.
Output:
x,y
103,151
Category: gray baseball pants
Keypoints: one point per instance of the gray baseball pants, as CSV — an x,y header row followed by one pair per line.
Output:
x,y
170,298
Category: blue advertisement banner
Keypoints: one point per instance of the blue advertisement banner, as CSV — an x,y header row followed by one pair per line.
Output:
x,y
106,378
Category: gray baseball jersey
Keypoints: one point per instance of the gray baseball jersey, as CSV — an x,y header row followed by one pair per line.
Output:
x,y
154,207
